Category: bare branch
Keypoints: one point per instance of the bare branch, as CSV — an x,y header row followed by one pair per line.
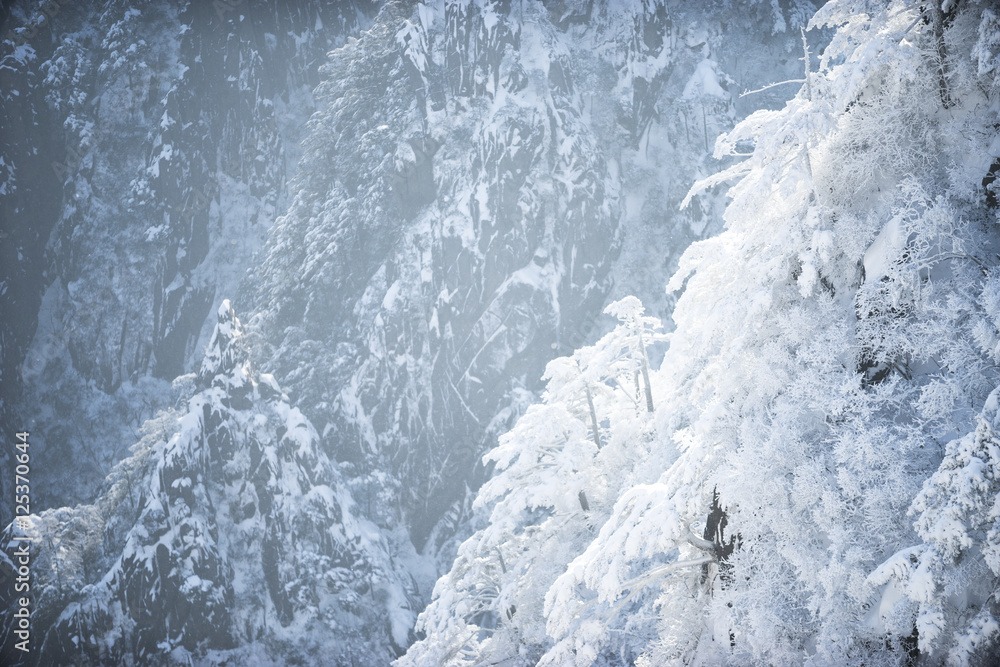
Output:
x,y
701,543
770,85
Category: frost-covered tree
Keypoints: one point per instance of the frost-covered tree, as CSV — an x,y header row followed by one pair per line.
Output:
x,y
228,529
555,478
828,343
945,586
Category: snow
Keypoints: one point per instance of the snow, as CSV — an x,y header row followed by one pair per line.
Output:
x,y
826,389
884,250
704,82
166,152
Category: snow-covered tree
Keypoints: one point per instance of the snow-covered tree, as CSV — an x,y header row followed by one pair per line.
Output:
x,y
227,529
554,478
827,343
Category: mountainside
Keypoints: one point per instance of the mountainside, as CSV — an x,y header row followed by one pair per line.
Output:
x,y
145,150
460,208
415,207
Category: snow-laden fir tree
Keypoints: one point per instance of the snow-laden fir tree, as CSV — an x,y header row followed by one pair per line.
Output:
x,y
227,535
827,392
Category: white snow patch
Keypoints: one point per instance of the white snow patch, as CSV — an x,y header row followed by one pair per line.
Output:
x,y
884,250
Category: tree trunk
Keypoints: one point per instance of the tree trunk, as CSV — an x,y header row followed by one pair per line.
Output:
x,y
937,21
593,415
645,373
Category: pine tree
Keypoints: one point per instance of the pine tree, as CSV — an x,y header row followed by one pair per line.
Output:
x,y
228,526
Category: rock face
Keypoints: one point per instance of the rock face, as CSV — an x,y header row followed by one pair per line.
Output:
x,y
460,209
28,209
144,158
475,182
455,222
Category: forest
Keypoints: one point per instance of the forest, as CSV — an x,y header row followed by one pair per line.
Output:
x,y
441,333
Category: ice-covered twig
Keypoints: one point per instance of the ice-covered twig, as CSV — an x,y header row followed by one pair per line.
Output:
x,y
769,86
